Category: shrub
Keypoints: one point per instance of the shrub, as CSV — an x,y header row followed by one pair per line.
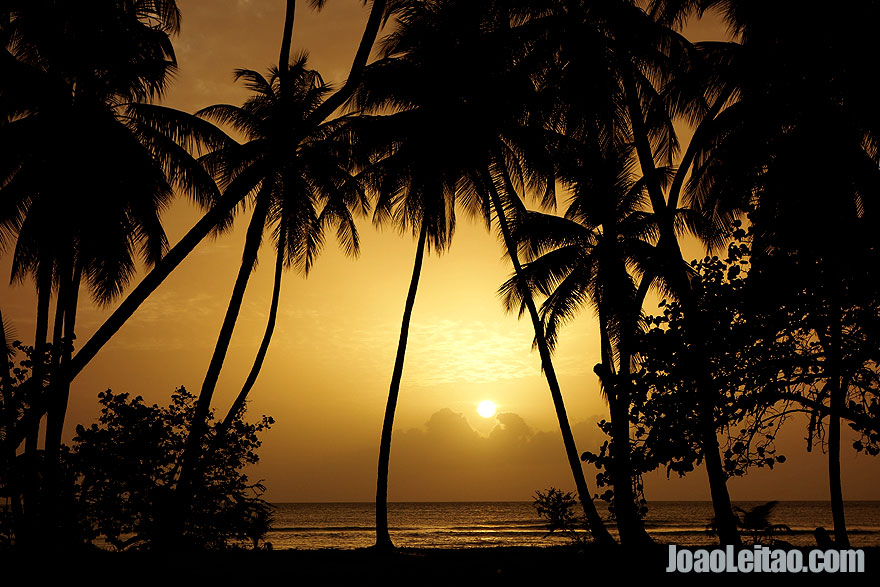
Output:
x,y
123,469
557,507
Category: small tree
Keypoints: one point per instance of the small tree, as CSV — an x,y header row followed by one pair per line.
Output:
x,y
123,468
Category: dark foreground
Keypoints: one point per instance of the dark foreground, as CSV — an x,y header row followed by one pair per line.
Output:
x,y
477,566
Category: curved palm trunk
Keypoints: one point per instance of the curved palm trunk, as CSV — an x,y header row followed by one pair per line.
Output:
x,y
264,344
209,221
383,539
151,282
368,39
287,36
669,248
597,527
192,451
238,404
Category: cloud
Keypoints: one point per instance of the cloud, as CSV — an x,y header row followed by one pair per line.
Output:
x,y
448,457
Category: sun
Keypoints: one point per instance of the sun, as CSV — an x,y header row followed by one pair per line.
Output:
x,y
486,409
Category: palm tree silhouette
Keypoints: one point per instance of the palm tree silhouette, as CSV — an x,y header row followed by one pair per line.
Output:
x,y
219,215
584,258
300,180
416,166
631,60
473,67
85,175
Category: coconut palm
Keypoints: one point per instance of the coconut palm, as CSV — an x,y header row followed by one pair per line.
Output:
x,y
585,259
467,76
417,168
634,60
220,214
300,181
84,177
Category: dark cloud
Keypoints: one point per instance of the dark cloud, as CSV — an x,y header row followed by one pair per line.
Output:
x,y
449,457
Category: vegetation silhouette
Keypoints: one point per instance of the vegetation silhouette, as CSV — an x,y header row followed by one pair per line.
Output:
x,y
85,174
477,106
300,180
582,259
415,165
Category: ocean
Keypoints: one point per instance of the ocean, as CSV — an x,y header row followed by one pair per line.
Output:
x,y
482,524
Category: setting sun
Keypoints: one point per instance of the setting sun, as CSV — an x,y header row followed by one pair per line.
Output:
x,y
486,409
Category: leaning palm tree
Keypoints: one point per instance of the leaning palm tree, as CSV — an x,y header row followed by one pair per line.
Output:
x,y
415,167
84,177
634,60
587,258
467,59
299,177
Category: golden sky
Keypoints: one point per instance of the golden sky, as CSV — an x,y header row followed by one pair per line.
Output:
x,y
326,376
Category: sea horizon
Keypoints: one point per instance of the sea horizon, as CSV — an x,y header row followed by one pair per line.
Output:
x,y
468,524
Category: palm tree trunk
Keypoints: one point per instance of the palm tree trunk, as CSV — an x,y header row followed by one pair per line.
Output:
x,y
597,527
837,399
368,39
44,294
54,507
383,539
35,402
724,517
238,404
61,392
670,250
189,470
629,523
264,344
210,220
287,36
151,282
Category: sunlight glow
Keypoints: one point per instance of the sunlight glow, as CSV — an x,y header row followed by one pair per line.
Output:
x,y
486,409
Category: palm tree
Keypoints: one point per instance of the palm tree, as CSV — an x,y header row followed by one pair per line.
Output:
x,y
446,113
300,180
241,398
219,214
416,172
501,94
585,258
633,61
84,177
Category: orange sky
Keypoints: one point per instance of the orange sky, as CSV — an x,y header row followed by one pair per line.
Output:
x,y
326,376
